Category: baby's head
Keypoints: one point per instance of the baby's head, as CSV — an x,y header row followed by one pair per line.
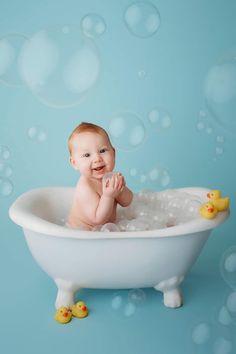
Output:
x,y
91,151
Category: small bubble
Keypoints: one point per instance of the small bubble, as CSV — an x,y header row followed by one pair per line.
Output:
x,y
142,74
202,113
136,296
4,152
154,174
220,139
133,172
143,178
93,25
228,266
165,178
6,187
142,19
219,150
129,309
5,169
224,316
201,333
209,130
231,303
159,119
116,302
200,126
37,134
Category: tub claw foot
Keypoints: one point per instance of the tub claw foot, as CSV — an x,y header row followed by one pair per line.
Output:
x,y
65,294
173,298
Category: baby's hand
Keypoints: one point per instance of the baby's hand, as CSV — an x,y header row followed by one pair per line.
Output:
x,y
113,186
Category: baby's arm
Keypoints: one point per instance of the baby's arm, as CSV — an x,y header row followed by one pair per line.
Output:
x,y
126,196
97,209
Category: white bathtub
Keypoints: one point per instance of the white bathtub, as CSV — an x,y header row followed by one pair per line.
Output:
x,y
83,259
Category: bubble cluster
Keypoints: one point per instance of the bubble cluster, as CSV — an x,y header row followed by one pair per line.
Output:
x,y
93,25
142,19
156,175
155,210
68,72
6,186
10,47
37,134
228,267
204,125
220,92
125,304
159,119
127,131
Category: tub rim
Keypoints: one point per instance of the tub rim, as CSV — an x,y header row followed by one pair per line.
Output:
x,y
22,216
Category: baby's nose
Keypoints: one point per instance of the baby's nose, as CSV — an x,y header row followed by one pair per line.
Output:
x,y
97,157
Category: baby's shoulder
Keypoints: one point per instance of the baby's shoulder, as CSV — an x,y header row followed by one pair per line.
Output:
x,y
84,188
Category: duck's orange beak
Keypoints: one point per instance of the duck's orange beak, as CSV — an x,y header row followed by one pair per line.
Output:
x,y
210,210
208,195
65,314
84,308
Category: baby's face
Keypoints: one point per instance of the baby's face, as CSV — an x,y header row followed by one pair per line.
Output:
x,y
92,154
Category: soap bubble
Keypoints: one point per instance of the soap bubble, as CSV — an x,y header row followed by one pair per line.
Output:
x,y
121,305
137,296
6,187
220,139
220,92
10,47
127,131
4,152
159,119
231,305
133,172
165,178
228,267
93,25
142,19
109,227
142,74
5,169
59,65
201,333
222,346
224,317
36,133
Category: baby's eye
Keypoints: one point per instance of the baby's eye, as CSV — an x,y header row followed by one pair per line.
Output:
x,y
102,151
86,155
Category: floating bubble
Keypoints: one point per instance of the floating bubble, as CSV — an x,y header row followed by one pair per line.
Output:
x,y
228,267
165,178
142,74
127,131
231,304
93,25
200,126
224,316
220,92
159,119
137,296
220,139
209,130
6,187
219,150
203,113
222,346
142,19
143,178
154,174
121,305
133,172
10,47
4,152
201,333
60,65
36,133
110,227
5,169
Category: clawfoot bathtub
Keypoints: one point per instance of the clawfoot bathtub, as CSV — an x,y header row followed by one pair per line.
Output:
x,y
77,259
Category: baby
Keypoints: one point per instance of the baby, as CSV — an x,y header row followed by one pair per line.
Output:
x,y
96,198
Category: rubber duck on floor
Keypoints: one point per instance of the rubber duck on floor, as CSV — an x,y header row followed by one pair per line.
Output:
x,y
208,211
63,315
221,204
79,310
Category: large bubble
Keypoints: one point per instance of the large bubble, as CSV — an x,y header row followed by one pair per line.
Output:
x,y
10,47
220,92
60,65
93,25
127,131
228,267
142,19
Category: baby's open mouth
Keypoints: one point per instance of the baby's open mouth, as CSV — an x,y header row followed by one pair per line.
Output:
x,y
99,168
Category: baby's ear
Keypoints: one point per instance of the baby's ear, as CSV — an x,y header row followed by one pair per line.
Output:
x,y
73,163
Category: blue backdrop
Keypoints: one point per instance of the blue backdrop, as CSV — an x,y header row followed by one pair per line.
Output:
x,y
160,76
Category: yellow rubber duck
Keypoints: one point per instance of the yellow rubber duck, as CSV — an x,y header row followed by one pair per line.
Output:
x,y
208,211
79,310
63,315
221,204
